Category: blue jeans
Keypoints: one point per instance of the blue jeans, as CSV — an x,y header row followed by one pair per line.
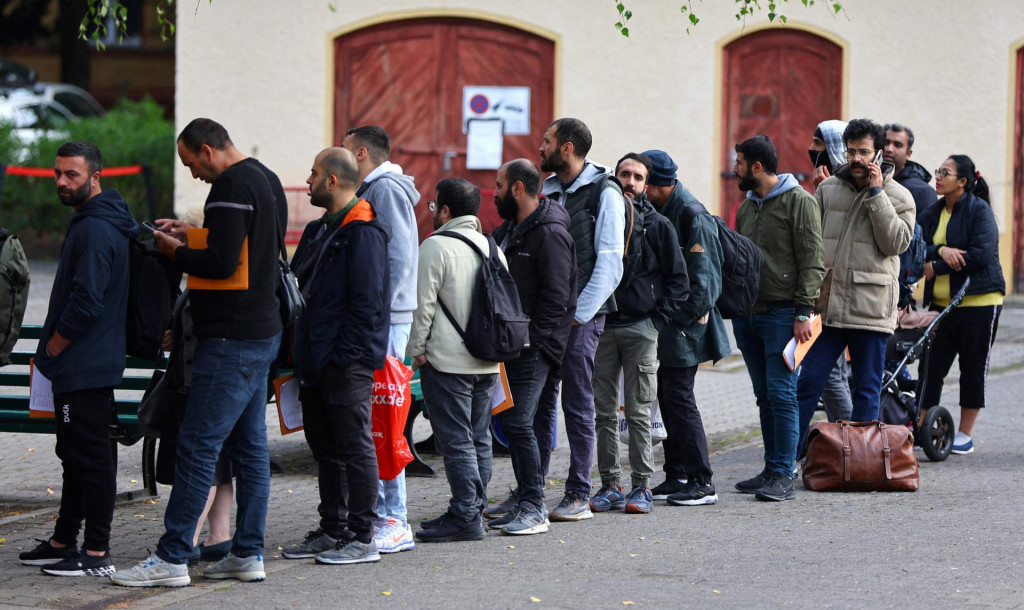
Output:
x,y
867,360
228,393
578,402
391,496
762,337
526,378
460,416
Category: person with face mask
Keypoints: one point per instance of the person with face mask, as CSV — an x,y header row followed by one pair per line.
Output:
x,y
542,260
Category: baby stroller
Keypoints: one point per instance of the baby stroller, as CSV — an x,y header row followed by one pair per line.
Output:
x,y
900,399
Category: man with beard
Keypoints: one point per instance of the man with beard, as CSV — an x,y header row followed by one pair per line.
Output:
x,y
696,334
899,146
81,351
599,239
456,385
785,223
867,221
542,261
339,341
647,297
393,196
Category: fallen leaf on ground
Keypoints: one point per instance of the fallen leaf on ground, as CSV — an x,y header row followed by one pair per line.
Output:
x,y
385,592
49,491
535,599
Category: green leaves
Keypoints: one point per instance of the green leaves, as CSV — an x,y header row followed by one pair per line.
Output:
x,y
744,9
624,16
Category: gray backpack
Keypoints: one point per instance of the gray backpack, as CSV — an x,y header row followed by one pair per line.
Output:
x,y
13,292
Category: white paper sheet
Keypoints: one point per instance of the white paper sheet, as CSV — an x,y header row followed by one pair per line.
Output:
x,y
484,144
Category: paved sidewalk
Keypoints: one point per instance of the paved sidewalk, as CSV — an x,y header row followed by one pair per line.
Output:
x,y
956,542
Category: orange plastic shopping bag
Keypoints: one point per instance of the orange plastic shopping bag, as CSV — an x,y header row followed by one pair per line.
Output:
x,y
391,399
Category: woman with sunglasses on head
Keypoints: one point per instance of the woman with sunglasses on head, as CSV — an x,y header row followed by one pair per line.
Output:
x,y
963,242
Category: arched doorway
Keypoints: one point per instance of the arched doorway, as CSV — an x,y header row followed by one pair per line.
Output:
x,y
408,77
779,82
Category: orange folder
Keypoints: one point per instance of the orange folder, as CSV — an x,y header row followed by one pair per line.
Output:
x,y
239,280
795,351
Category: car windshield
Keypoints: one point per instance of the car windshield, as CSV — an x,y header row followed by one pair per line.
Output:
x,y
76,104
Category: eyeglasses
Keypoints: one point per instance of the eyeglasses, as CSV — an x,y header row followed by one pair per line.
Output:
x,y
863,153
432,206
942,172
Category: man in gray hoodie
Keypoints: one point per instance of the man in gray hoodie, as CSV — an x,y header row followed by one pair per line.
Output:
x,y
393,195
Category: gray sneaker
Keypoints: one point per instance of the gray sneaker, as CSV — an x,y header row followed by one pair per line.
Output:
x,y
573,507
529,520
502,508
153,572
502,521
350,551
316,542
246,569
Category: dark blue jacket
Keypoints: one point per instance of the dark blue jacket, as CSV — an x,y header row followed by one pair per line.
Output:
x,y
972,227
347,298
89,297
915,178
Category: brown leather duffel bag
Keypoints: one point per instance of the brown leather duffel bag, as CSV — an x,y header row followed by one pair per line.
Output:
x,y
860,456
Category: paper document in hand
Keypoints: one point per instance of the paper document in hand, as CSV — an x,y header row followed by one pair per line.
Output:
x,y
40,401
501,396
795,351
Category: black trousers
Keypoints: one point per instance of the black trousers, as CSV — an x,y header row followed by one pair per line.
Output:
x,y
968,332
686,448
90,466
336,417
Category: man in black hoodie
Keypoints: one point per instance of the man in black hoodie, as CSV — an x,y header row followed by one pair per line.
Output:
x,y
899,145
82,354
542,260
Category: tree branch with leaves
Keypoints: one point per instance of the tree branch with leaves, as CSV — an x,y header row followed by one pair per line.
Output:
x,y
744,9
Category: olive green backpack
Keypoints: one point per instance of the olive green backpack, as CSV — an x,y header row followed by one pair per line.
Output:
x,y
13,292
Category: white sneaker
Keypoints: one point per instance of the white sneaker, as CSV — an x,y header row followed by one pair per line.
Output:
x,y
153,572
394,537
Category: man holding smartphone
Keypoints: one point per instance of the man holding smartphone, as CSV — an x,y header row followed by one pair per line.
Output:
x,y
867,222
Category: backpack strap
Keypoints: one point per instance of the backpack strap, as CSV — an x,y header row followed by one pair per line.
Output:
x,y
480,253
594,207
690,211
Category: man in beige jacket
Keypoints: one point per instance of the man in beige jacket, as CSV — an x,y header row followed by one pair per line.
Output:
x,y
867,222
456,386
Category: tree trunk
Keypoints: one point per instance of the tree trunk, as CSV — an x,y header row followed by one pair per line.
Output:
x,y
75,65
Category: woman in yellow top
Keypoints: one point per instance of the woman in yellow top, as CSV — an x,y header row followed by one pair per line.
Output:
x,y
963,241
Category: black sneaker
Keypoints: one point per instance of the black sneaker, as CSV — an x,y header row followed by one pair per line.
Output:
x,y
429,523
453,529
696,493
750,486
778,488
46,553
82,564
667,488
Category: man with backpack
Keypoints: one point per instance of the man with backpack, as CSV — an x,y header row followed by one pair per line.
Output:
x,y
81,351
695,334
653,286
456,385
542,261
867,222
597,224
785,223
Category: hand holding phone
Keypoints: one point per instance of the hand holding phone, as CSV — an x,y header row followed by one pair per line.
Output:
x,y
152,228
878,158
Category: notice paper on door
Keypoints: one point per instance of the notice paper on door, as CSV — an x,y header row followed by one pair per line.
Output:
x,y
484,143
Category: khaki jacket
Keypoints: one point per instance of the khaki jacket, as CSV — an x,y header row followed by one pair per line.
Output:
x,y
863,237
448,270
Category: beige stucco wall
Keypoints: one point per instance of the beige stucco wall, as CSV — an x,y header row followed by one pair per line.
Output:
x,y
264,69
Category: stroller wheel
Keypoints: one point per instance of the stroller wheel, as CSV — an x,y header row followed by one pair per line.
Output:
x,y
937,433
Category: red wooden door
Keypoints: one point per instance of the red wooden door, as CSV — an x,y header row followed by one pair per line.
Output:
x,y
781,83
408,77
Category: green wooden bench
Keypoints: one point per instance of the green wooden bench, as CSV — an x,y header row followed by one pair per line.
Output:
x,y
14,413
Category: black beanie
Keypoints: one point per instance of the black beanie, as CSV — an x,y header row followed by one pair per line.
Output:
x,y
663,168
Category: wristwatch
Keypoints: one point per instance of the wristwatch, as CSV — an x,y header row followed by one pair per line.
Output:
x,y
802,318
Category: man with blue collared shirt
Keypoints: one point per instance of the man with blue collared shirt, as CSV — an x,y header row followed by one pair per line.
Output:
x,y
599,247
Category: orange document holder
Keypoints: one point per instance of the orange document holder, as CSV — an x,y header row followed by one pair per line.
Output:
x,y
239,280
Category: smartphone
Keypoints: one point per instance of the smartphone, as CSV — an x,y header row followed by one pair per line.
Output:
x,y
152,228
878,158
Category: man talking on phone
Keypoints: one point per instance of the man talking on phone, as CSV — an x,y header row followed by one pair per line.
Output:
x,y
867,221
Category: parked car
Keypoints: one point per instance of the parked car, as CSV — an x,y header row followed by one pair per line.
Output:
x,y
43,109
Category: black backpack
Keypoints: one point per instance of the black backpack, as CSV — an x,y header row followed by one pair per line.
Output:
x,y
497,330
742,261
14,282
152,289
912,266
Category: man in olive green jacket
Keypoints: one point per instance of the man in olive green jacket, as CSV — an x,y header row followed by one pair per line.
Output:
x,y
868,221
784,221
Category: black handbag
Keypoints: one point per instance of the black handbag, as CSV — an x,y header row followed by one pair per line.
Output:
x,y
293,304
161,402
